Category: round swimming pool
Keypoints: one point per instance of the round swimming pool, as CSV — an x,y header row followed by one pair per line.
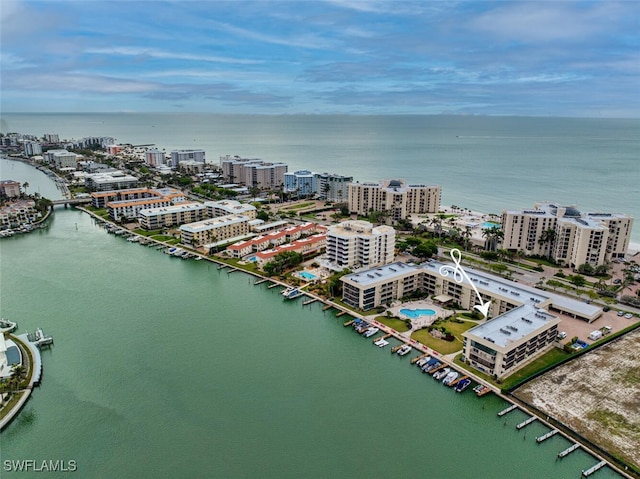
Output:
x,y
415,313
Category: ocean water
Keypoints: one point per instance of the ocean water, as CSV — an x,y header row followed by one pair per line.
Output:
x,y
486,164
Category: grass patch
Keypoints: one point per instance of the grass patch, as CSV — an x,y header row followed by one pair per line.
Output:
x,y
298,207
395,323
444,347
554,356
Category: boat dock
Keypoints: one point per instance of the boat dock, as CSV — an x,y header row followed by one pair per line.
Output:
x,y
274,285
507,410
395,348
328,306
433,371
348,323
260,281
222,266
309,301
340,314
526,422
593,469
546,436
461,378
418,358
568,450
386,336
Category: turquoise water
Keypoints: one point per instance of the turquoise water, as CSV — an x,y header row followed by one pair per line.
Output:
x,y
307,275
416,313
488,224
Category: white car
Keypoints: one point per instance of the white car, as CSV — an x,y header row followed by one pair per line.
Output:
x,y
562,335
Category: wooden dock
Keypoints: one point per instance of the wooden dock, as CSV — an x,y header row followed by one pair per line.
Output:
x,y
395,348
568,450
349,323
526,422
442,366
507,410
232,270
546,436
260,281
328,306
341,313
418,358
274,285
593,469
309,301
222,266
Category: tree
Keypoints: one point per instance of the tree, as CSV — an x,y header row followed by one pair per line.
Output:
x,y
586,268
548,238
493,235
326,189
254,191
466,236
425,250
25,185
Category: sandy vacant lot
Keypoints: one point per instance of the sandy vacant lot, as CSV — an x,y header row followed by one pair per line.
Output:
x,y
597,395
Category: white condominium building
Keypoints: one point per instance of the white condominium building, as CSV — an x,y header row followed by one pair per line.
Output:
x,y
302,182
253,172
230,207
155,158
214,230
393,197
566,235
173,215
178,156
333,187
359,244
32,148
112,180
61,159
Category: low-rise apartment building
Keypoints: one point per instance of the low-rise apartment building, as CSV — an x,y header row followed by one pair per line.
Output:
x,y
214,230
172,215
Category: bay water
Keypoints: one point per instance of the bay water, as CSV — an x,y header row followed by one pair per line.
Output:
x,y
170,368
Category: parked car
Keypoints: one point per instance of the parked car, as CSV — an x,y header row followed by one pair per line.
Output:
x,y
620,313
562,335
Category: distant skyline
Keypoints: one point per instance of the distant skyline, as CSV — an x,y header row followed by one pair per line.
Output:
x,y
540,58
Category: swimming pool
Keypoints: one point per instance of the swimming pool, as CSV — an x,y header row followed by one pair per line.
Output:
x,y
489,224
252,258
415,313
306,275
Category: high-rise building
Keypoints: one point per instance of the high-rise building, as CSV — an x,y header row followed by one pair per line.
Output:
x,y
359,244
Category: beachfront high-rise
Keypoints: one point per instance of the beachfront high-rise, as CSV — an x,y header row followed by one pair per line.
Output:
x,y
178,156
302,182
253,172
333,187
566,235
393,197
359,244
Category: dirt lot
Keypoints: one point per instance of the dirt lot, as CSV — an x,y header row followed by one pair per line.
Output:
x,y
597,395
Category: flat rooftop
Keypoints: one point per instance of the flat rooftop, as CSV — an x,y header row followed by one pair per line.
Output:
x,y
388,271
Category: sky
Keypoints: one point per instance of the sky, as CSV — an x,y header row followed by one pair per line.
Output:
x,y
540,58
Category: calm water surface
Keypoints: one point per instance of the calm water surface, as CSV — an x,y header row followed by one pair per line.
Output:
x,y
170,368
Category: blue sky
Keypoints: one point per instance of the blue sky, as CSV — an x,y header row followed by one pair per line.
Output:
x,y
541,58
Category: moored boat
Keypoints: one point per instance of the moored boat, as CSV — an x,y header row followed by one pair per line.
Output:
x,y
405,349
7,326
442,373
462,385
370,332
449,378
381,343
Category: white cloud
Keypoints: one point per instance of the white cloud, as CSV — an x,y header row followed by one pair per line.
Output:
x,y
154,53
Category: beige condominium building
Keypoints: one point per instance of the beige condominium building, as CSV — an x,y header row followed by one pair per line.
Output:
x,y
393,197
214,230
567,235
253,172
522,324
359,244
230,207
172,215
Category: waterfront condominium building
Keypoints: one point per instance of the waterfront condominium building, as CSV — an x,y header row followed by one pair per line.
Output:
x,y
393,197
566,235
32,148
155,158
522,325
61,159
359,244
128,203
185,155
333,187
214,230
253,172
51,137
173,215
229,207
112,180
302,182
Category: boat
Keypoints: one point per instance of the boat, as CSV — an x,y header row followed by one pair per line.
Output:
x,y
405,349
7,326
361,326
442,373
462,385
481,390
432,364
423,361
178,252
381,343
292,293
133,239
170,250
449,378
370,332
39,338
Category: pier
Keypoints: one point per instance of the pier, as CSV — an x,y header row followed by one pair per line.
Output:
x,y
546,436
340,314
460,378
568,450
395,348
274,285
309,301
507,410
328,306
593,469
526,422
386,336
348,323
260,281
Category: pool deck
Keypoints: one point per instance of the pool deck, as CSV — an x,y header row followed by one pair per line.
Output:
x,y
423,320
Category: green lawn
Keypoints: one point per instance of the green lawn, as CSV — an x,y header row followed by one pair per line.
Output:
x,y
550,358
395,323
444,347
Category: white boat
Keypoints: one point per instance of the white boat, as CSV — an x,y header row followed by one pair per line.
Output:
x,y
178,252
7,326
292,293
442,373
423,361
370,332
452,376
405,349
381,343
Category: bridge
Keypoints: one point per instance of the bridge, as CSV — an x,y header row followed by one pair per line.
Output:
x,y
71,201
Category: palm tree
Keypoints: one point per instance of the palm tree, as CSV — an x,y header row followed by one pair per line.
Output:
x,y
17,370
25,185
548,237
466,236
326,188
492,235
